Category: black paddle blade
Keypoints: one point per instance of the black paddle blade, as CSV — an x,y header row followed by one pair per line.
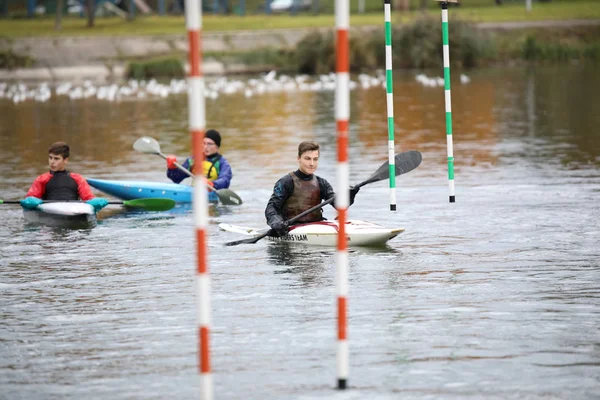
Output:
x,y
403,162
251,240
229,197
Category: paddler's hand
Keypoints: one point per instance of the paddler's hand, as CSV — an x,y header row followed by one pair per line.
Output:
x,y
171,160
209,183
353,191
281,228
98,203
31,202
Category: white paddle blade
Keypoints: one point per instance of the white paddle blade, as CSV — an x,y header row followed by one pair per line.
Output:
x,y
147,145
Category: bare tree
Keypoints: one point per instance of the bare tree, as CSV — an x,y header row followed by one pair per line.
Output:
x,y
423,5
58,18
90,13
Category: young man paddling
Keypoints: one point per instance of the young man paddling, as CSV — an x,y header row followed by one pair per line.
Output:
x,y
59,184
215,168
300,190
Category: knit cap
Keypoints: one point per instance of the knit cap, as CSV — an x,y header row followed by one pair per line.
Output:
x,y
214,136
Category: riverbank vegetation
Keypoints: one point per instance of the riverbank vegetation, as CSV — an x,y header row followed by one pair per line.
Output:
x,y
11,60
419,45
474,10
162,67
415,45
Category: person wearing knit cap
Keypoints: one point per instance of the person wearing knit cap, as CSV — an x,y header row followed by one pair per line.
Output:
x,y
214,136
215,168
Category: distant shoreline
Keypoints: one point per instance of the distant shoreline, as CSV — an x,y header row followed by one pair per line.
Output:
x,y
101,58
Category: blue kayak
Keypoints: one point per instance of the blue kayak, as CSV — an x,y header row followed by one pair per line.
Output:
x,y
130,190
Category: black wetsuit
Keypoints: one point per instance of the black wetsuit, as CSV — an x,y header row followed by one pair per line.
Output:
x,y
284,189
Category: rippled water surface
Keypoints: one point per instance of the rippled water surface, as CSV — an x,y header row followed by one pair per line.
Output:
x,y
494,296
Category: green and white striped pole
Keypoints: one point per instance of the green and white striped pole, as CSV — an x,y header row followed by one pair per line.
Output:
x,y
446,51
389,87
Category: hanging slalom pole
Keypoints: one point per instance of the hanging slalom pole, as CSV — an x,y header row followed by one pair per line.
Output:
x,y
197,123
448,102
389,88
342,117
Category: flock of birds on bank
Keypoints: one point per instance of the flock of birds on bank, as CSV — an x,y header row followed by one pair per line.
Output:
x,y
133,89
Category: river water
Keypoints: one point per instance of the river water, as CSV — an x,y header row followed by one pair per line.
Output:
x,y
495,296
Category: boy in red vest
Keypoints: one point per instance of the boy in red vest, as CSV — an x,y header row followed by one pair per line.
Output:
x,y
59,184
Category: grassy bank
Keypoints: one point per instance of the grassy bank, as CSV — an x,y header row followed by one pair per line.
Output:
x,y
415,45
475,10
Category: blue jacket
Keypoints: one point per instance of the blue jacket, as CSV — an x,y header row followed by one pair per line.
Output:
x,y
224,173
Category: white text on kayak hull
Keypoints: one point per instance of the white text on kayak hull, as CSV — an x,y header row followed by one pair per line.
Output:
x,y
325,233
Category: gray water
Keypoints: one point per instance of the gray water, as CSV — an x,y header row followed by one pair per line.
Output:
x,y
495,296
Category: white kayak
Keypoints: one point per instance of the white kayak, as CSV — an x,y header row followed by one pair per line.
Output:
x,y
71,215
324,233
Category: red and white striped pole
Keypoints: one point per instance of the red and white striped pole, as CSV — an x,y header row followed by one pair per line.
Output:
x,y
197,121
342,116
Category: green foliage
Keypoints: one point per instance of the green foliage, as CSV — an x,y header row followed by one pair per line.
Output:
x,y
12,60
156,68
258,59
537,50
592,52
416,45
268,56
315,54
530,48
419,44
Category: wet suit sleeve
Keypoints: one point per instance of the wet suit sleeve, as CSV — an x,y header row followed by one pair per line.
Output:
x,y
225,175
38,187
177,175
327,191
83,189
283,189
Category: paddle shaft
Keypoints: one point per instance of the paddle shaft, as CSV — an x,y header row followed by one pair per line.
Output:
x,y
53,201
187,171
191,175
152,204
149,145
289,221
124,202
404,162
381,173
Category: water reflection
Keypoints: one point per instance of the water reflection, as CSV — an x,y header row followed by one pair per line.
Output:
x,y
293,255
308,265
512,266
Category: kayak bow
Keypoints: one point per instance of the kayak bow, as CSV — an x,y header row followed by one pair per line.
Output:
x,y
67,215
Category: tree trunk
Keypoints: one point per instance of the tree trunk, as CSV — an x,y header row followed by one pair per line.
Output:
x,y
130,10
423,5
401,5
58,17
90,13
